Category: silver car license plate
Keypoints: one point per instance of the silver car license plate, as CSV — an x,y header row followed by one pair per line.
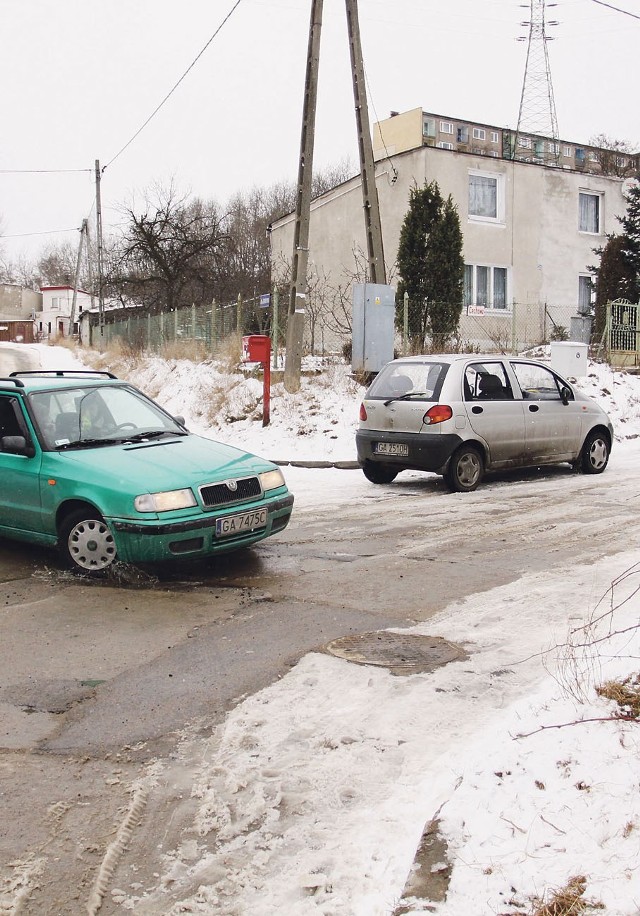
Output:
x,y
237,524
392,448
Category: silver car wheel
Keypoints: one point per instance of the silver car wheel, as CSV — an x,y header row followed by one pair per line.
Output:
x,y
465,469
598,454
91,545
468,469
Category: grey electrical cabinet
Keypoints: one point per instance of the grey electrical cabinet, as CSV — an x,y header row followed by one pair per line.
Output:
x,y
374,309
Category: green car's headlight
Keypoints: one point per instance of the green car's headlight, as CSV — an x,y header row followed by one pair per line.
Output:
x,y
271,480
165,502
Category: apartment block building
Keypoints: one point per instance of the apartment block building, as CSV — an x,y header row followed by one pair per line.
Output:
x,y
529,225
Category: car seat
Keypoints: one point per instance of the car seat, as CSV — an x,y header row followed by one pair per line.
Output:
x,y
490,387
67,426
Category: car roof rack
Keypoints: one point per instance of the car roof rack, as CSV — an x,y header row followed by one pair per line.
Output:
x,y
15,381
63,373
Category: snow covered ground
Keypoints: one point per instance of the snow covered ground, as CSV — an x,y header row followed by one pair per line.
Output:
x,y
313,793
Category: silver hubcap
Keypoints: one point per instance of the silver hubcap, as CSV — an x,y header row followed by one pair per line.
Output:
x,y
468,469
91,545
598,454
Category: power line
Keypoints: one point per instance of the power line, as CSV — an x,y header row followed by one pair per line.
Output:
x,y
171,91
39,171
23,235
616,9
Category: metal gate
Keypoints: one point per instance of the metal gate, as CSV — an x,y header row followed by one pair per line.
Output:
x,y
623,333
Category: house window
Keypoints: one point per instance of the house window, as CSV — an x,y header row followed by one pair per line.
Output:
x,y
468,284
428,128
446,127
568,151
485,286
593,156
478,133
589,212
494,136
554,148
463,135
525,142
486,196
482,285
621,162
55,302
499,287
585,292
444,145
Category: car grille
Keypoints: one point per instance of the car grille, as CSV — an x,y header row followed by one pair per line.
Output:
x,y
220,494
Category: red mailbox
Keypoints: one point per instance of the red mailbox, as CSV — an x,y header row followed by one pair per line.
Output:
x,y
256,348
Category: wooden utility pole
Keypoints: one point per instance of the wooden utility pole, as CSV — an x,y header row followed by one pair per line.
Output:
x,y
298,290
76,278
99,243
373,226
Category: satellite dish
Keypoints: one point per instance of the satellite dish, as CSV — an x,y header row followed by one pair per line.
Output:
x,y
628,184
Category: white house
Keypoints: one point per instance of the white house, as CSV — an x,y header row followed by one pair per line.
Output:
x,y
529,230
56,317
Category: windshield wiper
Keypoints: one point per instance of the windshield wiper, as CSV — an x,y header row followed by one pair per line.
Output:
x,y
408,397
154,434
85,443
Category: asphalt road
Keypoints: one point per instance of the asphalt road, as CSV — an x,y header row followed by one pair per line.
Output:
x,y
99,682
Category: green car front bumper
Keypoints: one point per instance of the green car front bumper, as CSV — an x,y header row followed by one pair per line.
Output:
x,y
152,541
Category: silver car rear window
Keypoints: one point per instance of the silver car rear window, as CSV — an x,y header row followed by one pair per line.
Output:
x,y
410,380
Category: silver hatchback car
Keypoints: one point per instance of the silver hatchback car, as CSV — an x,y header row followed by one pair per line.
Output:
x,y
462,415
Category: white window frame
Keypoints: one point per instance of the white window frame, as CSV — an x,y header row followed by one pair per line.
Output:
x,y
585,280
495,136
444,144
472,300
479,133
568,151
498,219
525,142
600,208
446,127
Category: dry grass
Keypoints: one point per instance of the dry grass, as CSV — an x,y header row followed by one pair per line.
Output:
x,y
194,350
229,352
568,900
625,693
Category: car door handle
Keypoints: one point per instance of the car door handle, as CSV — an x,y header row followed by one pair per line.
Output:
x,y
534,407
476,409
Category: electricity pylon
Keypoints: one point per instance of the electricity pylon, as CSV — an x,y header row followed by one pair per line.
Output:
x,y
537,114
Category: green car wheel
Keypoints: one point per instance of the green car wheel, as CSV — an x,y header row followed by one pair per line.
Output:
x,y
87,542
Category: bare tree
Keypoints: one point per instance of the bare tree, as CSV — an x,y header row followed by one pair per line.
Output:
x,y
616,157
167,252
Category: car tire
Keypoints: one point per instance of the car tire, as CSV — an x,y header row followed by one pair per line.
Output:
x,y
465,469
595,453
379,473
86,542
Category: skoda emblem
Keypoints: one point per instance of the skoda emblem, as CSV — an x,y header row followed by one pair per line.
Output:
x,y
232,485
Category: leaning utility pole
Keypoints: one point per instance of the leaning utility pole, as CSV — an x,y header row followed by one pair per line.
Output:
x,y
373,226
99,242
76,279
298,289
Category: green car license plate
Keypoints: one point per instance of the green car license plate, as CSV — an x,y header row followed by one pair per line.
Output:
x,y
392,448
236,524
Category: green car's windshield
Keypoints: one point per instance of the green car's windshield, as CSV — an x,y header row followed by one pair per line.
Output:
x,y
97,416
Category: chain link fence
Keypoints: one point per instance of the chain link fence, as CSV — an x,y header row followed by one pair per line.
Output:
x,y
206,326
521,327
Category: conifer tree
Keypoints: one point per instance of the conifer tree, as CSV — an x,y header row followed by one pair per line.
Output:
x,y
430,266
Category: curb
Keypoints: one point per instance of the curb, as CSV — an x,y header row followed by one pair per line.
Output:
x,y
341,465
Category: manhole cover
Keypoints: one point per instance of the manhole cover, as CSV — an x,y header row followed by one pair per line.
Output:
x,y
401,653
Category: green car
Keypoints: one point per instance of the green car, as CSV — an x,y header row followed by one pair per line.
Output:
x,y
92,465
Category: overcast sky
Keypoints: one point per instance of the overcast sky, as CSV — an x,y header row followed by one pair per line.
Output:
x,y
80,77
